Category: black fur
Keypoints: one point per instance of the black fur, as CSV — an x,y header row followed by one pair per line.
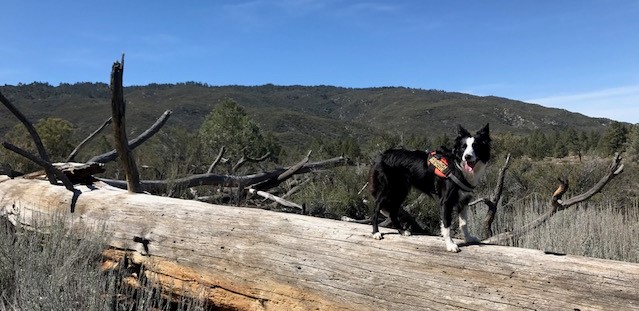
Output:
x,y
395,171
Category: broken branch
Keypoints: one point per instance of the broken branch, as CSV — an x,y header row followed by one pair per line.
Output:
x,y
556,204
34,135
217,160
246,158
86,140
47,166
275,198
493,201
134,143
157,186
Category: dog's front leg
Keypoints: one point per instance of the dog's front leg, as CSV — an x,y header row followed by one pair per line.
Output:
x,y
446,220
450,245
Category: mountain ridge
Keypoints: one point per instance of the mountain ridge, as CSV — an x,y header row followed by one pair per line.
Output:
x,y
296,113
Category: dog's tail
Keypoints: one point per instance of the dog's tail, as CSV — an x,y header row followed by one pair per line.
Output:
x,y
376,177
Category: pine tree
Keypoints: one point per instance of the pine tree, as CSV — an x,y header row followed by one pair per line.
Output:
x,y
230,126
633,143
614,139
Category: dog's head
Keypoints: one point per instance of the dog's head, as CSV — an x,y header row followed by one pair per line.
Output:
x,y
473,151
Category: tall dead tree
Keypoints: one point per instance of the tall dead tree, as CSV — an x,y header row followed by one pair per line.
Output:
x,y
118,111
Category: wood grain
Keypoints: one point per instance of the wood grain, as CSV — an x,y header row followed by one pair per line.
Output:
x,y
251,259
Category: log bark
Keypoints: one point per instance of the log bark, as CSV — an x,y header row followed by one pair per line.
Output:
x,y
252,259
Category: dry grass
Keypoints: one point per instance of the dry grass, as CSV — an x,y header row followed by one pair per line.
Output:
x,y
602,230
59,271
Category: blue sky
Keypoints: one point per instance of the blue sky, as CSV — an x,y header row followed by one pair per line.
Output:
x,y
579,55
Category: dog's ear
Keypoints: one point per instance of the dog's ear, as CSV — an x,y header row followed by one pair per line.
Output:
x,y
462,132
484,131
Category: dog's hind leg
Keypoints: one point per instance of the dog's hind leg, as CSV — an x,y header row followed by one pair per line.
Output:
x,y
375,219
463,225
394,216
388,207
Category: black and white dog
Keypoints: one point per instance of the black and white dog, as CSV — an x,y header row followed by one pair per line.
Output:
x,y
449,175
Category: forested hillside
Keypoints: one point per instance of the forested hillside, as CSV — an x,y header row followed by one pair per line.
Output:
x,y
298,114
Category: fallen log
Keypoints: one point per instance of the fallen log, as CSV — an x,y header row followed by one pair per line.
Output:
x,y
252,259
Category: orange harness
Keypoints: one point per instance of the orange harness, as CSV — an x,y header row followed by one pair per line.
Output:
x,y
440,163
443,171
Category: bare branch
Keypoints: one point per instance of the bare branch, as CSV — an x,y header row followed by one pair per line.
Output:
x,y
157,186
47,166
296,188
86,140
293,169
556,204
494,200
362,190
275,198
134,143
273,182
246,158
615,168
217,160
34,135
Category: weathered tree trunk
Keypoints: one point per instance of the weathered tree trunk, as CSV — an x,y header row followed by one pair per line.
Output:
x,y
251,259
118,116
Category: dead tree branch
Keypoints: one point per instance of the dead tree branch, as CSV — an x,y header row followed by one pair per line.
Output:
x,y
276,199
493,201
34,135
217,160
273,182
46,165
296,188
86,140
118,111
556,203
252,180
134,143
246,158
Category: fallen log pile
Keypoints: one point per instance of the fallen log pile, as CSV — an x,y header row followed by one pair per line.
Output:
x,y
251,259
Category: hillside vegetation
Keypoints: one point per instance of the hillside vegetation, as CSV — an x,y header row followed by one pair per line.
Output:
x,y
297,114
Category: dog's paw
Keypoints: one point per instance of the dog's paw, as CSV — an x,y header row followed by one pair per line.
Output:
x,y
377,236
452,247
405,232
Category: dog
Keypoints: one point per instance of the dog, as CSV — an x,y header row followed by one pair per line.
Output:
x,y
395,171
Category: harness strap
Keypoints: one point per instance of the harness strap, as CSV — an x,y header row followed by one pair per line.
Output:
x,y
443,170
460,183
